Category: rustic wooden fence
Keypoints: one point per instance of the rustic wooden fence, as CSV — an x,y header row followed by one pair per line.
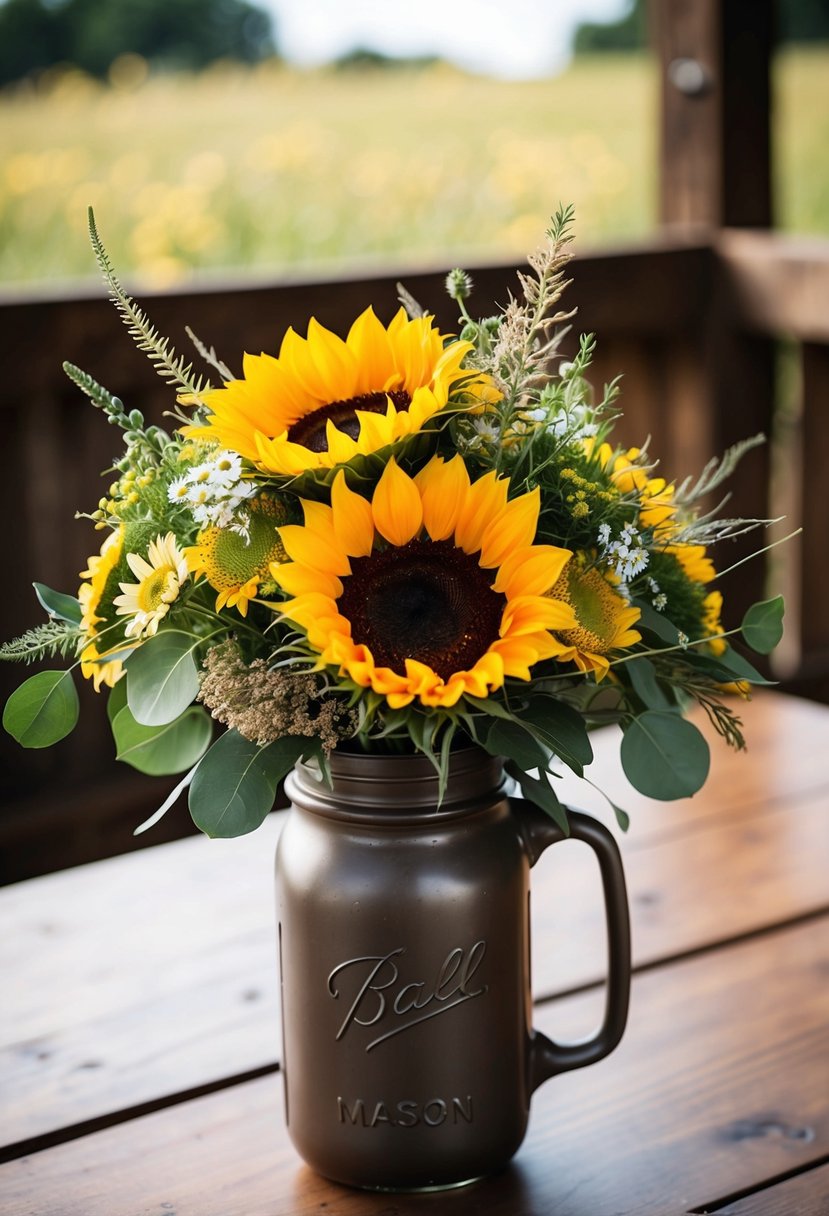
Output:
x,y
700,320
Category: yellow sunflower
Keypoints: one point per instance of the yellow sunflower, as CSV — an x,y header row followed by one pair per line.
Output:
x,y
94,664
694,560
236,565
431,590
603,619
711,623
656,496
324,400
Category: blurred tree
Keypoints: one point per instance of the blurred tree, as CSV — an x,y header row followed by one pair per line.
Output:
x,y
803,20
36,34
797,21
629,33
364,58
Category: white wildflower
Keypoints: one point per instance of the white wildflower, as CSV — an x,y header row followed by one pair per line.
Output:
x,y
487,430
627,555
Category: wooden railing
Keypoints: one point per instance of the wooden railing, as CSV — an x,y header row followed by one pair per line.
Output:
x,y
696,320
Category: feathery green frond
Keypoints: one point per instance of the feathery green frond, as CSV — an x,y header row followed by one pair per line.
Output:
x,y
208,353
55,637
718,470
169,366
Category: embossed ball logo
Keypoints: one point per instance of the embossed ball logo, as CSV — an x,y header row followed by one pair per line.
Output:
x,y
382,996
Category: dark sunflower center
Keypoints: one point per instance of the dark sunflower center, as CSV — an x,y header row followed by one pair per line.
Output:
x,y
427,601
310,430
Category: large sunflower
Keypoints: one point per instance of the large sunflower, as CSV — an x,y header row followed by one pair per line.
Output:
x,y
431,590
325,400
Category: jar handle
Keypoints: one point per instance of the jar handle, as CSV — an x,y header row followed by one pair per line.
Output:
x,y
539,831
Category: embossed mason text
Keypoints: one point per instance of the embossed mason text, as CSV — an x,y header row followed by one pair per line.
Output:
x,y
405,1113
379,993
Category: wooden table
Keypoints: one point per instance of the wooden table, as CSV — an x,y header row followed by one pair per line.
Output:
x,y
139,1044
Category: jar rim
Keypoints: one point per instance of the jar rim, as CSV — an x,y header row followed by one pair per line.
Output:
x,y
395,788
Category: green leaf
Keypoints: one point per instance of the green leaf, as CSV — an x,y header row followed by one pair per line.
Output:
x,y
162,678
65,607
539,791
169,801
646,686
762,626
656,623
43,710
726,667
489,706
560,728
162,750
622,817
512,740
235,782
664,756
116,700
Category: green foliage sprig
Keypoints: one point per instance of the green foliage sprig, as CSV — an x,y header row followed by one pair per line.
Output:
x,y
172,368
52,638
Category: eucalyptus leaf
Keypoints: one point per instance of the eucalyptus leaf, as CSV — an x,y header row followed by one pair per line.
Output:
x,y
646,686
539,791
762,626
489,706
162,750
510,739
560,728
664,756
656,623
56,603
235,783
43,710
162,678
622,817
116,700
171,799
726,667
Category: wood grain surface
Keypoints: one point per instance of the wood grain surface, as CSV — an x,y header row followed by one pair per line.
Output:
x,y
719,1085
147,977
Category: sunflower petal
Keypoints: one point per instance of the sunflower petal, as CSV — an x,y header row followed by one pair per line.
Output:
x,y
487,497
513,529
353,520
396,506
443,486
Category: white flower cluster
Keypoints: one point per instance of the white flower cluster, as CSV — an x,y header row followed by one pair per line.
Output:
x,y
215,493
627,555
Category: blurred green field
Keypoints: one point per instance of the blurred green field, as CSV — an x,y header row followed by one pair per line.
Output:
x,y
274,170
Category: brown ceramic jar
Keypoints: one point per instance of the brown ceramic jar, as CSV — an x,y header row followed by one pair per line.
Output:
x,y
409,1054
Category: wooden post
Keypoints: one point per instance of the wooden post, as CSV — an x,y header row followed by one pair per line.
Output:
x,y
715,111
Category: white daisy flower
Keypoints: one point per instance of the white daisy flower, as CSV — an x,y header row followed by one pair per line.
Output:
x,y
160,578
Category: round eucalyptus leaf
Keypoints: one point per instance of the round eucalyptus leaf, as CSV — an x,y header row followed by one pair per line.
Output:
x,y
235,783
762,626
162,678
43,710
162,750
58,604
664,756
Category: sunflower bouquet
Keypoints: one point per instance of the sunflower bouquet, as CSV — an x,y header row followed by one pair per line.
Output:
x,y
400,540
